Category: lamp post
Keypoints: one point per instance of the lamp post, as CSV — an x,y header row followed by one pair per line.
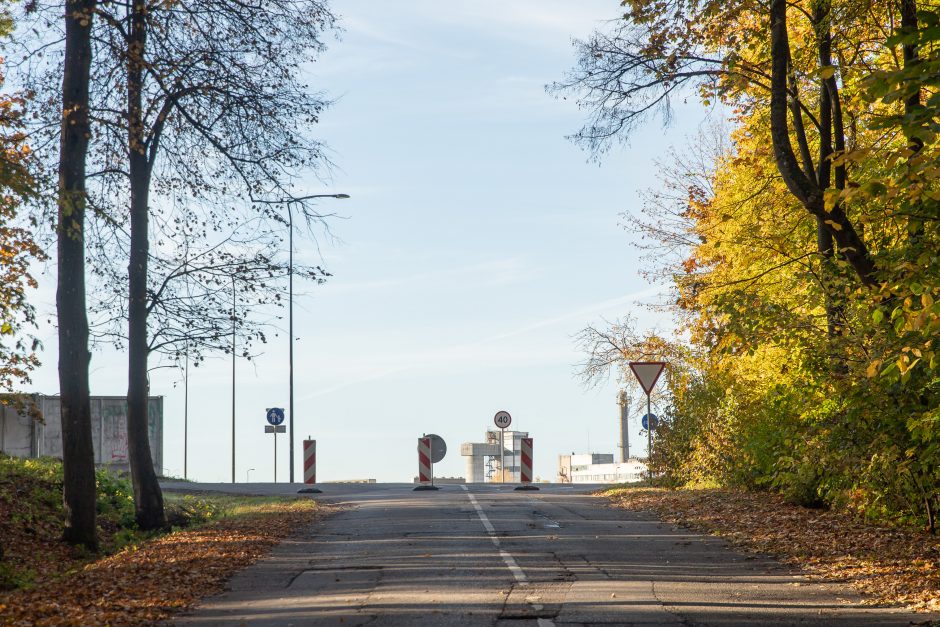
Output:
x,y
233,378
186,417
290,318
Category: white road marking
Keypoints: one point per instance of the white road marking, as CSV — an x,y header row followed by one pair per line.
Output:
x,y
509,560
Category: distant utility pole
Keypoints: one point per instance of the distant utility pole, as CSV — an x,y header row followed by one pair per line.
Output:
x,y
233,378
186,417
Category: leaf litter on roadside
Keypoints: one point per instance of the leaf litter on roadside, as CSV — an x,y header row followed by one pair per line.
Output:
x,y
891,566
147,582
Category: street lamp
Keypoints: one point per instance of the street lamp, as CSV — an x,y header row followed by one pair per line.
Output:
x,y
233,378
290,316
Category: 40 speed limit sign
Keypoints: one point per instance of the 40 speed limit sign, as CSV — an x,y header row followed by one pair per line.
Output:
x,y
502,419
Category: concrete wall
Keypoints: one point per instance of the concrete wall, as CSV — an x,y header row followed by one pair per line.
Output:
x,y
24,437
17,432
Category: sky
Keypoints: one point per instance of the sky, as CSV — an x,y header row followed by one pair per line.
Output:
x,y
477,242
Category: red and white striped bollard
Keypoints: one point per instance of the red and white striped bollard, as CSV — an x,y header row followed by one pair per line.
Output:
x,y
310,461
525,470
526,457
424,460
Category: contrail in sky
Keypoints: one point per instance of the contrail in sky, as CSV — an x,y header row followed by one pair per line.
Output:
x,y
547,322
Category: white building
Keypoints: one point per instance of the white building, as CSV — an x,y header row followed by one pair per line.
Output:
x,y
599,468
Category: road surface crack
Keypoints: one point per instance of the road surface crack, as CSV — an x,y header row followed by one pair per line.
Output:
x,y
327,569
668,608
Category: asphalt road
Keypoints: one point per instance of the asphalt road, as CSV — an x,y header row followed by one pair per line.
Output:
x,y
488,555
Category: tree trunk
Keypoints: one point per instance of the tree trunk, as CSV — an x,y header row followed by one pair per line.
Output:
x,y
148,498
824,242
78,454
805,190
911,58
911,105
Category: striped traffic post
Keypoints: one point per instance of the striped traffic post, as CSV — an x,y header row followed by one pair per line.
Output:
x,y
310,461
428,453
424,460
525,473
310,466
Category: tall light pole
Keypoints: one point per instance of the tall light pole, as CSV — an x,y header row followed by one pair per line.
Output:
x,y
233,378
186,417
290,318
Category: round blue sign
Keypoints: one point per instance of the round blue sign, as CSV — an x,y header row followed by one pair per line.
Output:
x,y
648,418
276,415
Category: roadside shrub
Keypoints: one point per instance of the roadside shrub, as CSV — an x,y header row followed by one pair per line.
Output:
x,y
115,499
192,510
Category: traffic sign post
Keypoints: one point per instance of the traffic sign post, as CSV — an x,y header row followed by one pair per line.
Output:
x,y
310,461
431,449
647,373
525,465
424,460
275,416
310,467
502,419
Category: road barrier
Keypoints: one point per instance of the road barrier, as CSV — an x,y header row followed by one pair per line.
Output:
x,y
310,461
424,460
310,467
525,471
526,456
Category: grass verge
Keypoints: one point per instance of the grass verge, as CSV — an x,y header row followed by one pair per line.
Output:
x,y
890,566
137,578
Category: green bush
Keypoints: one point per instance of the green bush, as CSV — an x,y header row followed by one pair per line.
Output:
x,y
115,499
12,578
192,510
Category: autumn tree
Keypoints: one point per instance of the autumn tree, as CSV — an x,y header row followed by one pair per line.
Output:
x,y
196,105
722,49
803,253
17,315
18,347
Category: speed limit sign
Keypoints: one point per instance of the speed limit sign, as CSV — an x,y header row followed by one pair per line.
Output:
x,y
502,419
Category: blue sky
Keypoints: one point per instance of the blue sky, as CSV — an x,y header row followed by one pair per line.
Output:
x,y
478,241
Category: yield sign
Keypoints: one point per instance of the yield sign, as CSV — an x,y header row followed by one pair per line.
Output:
x,y
647,373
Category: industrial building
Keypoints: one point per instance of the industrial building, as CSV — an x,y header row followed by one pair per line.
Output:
x,y
601,467
483,458
30,427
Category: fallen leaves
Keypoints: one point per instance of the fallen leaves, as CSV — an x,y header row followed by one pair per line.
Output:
x,y
891,566
148,582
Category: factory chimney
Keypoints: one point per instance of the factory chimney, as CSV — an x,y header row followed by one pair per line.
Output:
x,y
623,399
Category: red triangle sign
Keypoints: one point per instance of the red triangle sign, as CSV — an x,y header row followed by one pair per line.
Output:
x,y
647,373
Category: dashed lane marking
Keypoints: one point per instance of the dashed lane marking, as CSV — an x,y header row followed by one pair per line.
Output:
x,y
508,559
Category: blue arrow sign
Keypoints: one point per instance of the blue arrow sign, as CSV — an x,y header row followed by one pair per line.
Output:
x,y
647,418
276,415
